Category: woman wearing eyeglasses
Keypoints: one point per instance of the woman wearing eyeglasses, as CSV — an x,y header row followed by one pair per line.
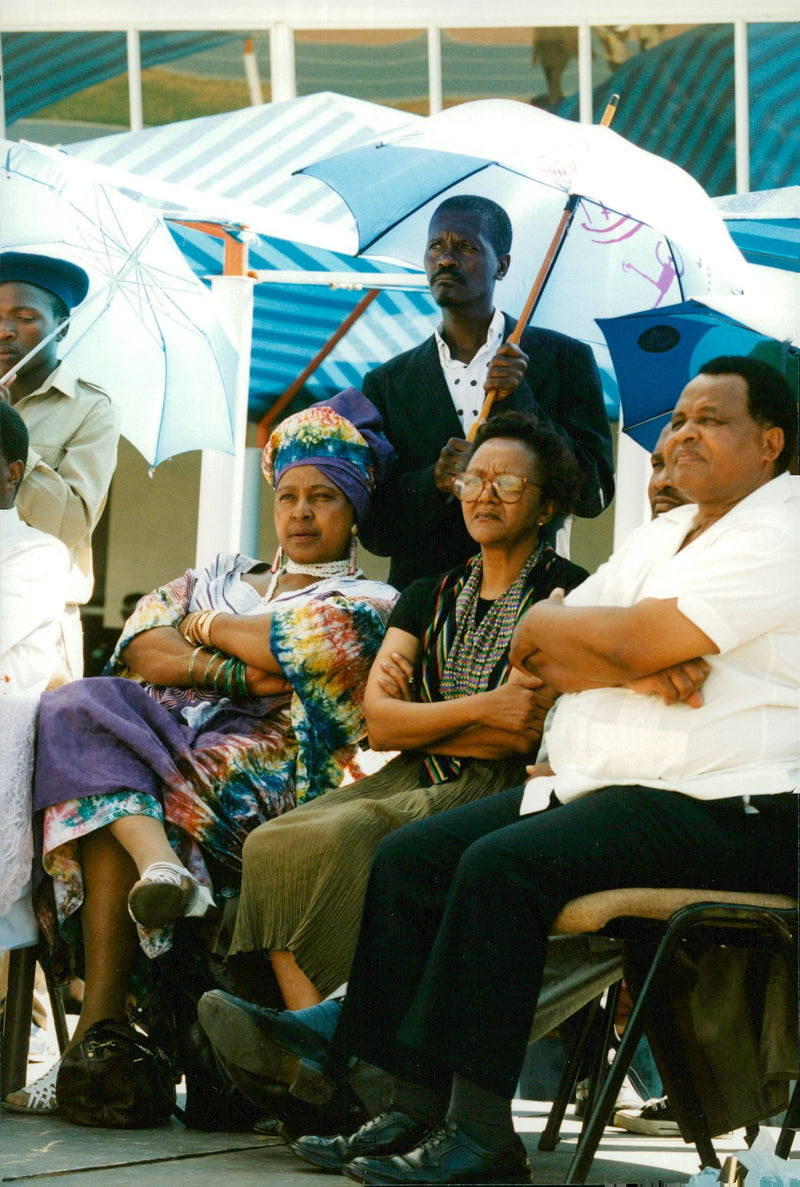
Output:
x,y
442,693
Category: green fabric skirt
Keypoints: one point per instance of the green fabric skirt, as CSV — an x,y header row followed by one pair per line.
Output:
x,y
305,872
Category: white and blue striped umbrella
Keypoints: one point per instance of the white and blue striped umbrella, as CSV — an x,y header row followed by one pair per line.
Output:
x,y
148,331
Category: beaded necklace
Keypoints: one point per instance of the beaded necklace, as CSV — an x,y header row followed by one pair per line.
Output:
x,y
319,571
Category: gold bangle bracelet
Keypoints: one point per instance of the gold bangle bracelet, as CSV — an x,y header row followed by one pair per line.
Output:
x,y
192,659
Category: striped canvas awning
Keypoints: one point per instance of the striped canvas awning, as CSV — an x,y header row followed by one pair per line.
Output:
x,y
765,226
678,101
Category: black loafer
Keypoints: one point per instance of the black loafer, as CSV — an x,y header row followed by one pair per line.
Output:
x,y
255,1038
389,1133
446,1155
294,1117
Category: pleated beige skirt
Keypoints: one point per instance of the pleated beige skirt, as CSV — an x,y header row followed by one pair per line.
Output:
x,y
305,872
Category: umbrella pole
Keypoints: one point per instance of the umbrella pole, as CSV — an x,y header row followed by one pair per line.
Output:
x,y
268,419
546,268
537,288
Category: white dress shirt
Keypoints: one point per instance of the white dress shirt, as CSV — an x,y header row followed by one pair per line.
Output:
x,y
737,582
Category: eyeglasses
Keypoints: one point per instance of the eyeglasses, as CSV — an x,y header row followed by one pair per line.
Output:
x,y
508,488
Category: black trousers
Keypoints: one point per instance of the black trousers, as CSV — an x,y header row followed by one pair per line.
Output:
x,y
458,908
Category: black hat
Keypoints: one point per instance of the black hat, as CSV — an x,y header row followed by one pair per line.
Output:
x,y
66,280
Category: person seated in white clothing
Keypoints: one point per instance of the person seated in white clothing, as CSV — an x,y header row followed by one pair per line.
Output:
x,y
33,577
33,574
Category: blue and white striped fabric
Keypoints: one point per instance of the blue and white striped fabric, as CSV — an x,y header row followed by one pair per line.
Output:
x,y
250,155
765,226
678,102
39,69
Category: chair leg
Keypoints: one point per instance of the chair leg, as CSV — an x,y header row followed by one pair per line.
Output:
x,y
791,1123
569,1077
59,1015
17,1020
600,1062
595,1123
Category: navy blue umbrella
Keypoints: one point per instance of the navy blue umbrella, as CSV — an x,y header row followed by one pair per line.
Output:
x,y
657,352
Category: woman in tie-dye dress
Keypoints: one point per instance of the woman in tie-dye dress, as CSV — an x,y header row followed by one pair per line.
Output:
x,y
243,698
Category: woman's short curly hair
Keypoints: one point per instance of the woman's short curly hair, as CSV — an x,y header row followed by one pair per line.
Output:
x,y
562,481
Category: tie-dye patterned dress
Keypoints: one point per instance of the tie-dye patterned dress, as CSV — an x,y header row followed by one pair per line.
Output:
x,y
211,769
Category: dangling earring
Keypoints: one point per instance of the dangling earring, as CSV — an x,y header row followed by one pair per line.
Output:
x,y
276,564
353,551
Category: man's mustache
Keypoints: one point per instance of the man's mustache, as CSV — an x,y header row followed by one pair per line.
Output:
x,y
451,273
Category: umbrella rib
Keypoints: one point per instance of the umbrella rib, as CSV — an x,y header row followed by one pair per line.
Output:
x,y
424,202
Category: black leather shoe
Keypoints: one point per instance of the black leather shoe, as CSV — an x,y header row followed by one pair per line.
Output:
x,y
389,1133
446,1155
256,1038
343,1111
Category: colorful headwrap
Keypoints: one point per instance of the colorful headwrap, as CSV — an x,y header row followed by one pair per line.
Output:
x,y
341,437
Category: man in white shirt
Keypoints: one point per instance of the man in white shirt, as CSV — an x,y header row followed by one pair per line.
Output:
x,y
73,427
692,787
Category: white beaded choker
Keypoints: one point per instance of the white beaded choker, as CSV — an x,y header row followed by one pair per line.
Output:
x,y
323,569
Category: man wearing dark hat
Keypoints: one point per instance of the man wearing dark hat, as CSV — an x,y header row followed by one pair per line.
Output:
x,y
72,425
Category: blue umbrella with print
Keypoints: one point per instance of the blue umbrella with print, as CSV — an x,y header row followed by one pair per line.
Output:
x,y
656,352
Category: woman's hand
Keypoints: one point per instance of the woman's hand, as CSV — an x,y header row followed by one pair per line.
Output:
x,y
396,677
265,684
519,706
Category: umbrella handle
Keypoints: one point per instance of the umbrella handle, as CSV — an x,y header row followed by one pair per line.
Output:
x,y
610,111
491,396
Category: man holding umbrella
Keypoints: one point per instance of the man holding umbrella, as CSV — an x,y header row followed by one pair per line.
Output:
x,y
72,425
431,396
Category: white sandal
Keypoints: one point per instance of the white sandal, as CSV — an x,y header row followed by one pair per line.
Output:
x,y
38,1097
164,893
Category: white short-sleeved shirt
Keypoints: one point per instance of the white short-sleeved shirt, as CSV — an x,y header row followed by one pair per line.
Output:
x,y
739,582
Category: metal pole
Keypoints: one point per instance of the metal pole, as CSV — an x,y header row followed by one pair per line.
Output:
x,y
251,73
135,81
434,69
281,65
585,112
222,476
631,508
2,94
741,106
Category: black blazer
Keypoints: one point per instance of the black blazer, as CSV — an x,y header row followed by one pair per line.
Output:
x,y
410,520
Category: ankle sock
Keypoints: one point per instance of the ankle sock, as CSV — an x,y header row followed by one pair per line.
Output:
x,y
321,1018
420,1102
481,1115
